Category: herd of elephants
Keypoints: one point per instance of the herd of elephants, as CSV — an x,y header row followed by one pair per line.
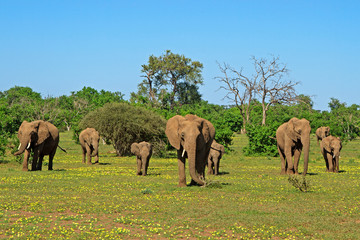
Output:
x,y
193,138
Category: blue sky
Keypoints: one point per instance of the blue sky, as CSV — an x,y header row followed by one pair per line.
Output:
x,y
56,47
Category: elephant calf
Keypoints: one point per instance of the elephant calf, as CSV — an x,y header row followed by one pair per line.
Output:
x,y
216,152
143,152
330,148
321,133
89,141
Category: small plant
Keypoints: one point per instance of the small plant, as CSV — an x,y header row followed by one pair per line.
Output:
x,y
299,182
146,191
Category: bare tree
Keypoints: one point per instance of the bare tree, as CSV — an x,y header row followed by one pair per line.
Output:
x,y
272,87
240,90
267,84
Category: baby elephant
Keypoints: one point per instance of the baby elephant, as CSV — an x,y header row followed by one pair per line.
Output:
x,y
89,141
216,152
143,152
321,133
330,148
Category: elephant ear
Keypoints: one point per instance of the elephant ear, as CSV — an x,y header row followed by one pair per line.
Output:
x,y
43,132
222,149
293,129
172,130
326,142
208,131
135,148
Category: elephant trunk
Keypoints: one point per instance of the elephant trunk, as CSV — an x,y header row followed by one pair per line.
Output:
x,y
306,149
192,165
95,146
23,145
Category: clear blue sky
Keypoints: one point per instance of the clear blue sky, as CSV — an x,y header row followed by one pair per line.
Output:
x,y
56,47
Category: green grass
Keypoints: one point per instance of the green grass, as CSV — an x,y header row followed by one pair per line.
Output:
x,y
249,200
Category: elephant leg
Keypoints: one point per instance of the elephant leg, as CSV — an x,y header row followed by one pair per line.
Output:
x,y
216,166
88,155
181,167
39,163
336,168
139,164
51,157
144,170
210,166
147,165
83,154
330,161
326,160
297,154
290,165
34,160
26,159
96,159
283,162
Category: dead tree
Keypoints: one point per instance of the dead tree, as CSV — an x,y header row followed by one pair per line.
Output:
x,y
240,91
271,86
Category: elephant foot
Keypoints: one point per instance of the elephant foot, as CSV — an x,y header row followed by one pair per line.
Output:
x,y
282,172
25,169
182,185
89,163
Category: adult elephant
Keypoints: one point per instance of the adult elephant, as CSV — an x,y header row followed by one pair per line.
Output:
x,y
89,141
216,152
293,137
330,148
321,133
143,152
192,137
42,138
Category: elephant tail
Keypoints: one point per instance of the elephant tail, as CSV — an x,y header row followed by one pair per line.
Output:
x,y
62,149
272,137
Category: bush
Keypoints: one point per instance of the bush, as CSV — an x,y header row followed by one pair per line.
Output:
x,y
262,140
122,124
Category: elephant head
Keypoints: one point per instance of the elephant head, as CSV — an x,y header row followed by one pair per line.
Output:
x,y
32,134
331,147
298,130
143,152
322,132
192,137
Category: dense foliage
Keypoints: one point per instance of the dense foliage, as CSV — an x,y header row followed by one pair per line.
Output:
x,y
122,124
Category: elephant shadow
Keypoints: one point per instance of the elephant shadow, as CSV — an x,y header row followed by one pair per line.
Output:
x,y
103,163
223,173
60,170
312,174
342,171
154,174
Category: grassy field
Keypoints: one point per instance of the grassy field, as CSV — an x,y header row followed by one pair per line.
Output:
x,y
249,200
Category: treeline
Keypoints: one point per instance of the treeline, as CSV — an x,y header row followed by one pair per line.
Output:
x,y
261,103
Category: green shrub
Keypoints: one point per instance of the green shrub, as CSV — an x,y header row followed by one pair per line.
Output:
x,y
261,140
122,124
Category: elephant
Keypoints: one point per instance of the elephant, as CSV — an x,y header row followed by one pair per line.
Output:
x,y
143,152
191,136
216,152
89,141
330,148
42,138
293,137
322,132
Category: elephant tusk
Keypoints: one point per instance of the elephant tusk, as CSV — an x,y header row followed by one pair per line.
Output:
x,y
27,147
19,146
183,153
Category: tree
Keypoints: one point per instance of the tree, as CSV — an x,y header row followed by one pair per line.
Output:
x,y
271,87
164,74
123,124
240,91
267,84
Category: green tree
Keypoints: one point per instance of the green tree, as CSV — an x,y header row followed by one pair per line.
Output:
x,y
164,74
